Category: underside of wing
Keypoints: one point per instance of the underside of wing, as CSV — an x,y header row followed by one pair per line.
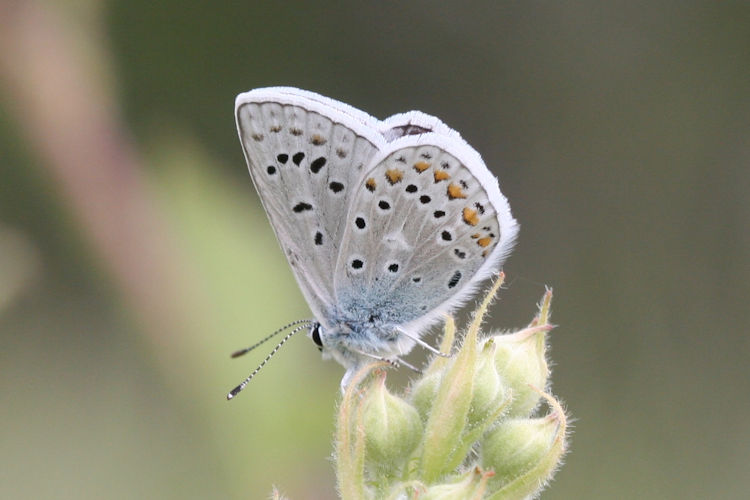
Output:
x,y
427,225
305,152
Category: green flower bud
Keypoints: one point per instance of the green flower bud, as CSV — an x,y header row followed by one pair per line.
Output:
x,y
489,392
447,419
424,391
392,427
524,453
471,486
520,360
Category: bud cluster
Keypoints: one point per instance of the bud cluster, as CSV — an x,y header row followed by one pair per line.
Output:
x,y
466,429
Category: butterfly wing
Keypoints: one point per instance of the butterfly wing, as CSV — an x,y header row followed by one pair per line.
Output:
x,y
427,224
305,152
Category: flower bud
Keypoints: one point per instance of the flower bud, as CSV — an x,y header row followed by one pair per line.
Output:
x,y
441,447
471,485
489,391
392,426
520,361
424,391
524,452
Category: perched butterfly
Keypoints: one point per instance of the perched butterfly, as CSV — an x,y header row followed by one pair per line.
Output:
x,y
386,224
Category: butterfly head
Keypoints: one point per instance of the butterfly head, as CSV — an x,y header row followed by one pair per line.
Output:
x,y
333,342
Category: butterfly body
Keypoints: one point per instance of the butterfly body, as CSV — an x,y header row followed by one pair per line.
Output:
x,y
387,225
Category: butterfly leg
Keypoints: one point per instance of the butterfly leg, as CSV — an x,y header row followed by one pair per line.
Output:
x,y
424,344
395,362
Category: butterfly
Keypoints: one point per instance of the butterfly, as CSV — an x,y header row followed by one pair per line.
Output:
x,y
387,225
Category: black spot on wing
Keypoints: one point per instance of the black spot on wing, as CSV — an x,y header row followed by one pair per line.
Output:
x,y
301,207
317,164
454,279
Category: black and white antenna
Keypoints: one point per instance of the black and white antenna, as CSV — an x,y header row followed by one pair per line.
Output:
x,y
304,323
237,354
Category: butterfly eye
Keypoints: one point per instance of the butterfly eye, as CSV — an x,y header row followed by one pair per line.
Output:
x,y
315,334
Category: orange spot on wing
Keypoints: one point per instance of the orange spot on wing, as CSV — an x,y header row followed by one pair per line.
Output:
x,y
441,175
421,166
470,216
475,236
455,191
483,242
394,175
318,140
370,184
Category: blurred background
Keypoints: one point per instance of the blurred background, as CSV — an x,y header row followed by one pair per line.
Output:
x,y
135,256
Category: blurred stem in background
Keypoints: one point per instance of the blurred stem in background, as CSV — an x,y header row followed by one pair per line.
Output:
x,y
57,86
178,244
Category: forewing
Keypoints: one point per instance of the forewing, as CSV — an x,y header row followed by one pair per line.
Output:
x,y
305,152
428,223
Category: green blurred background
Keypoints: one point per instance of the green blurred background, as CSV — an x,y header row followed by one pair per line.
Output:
x,y
134,253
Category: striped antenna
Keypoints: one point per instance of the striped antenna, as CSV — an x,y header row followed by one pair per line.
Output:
x,y
237,354
237,389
